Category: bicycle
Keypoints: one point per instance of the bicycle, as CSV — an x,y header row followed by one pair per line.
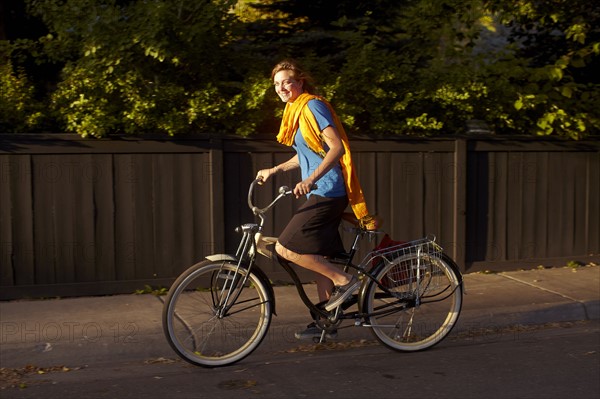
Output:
x,y
218,311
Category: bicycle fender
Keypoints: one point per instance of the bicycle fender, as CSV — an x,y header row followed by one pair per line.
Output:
x,y
255,269
362,291
218,257
380,265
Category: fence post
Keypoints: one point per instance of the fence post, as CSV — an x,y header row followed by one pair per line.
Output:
x,y
460,203
216,182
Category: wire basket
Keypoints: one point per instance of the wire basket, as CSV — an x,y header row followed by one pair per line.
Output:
x,y
412,263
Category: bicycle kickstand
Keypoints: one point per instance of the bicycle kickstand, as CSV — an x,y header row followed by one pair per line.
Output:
x,y
322,338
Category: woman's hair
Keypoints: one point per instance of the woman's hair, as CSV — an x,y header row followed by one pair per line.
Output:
x,y
297,73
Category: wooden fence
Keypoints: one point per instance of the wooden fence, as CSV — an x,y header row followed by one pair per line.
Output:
x,y
86,217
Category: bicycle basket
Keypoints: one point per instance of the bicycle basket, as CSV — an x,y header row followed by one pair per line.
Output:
x,y
386,243
410,260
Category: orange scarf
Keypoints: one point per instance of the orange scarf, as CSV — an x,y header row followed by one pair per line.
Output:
x,y
297,114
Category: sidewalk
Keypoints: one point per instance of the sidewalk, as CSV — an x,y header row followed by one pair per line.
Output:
x,y
79,331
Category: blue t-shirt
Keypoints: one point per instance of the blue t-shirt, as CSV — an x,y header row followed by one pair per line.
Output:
x,y
332,183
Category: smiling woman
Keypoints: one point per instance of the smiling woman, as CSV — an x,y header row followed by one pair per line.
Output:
x,y
288,76
312,128
286,87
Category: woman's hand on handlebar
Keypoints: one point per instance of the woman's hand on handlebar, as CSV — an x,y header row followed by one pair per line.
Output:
x,y
264,174
304,187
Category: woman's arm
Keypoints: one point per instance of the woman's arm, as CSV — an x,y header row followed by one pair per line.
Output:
x,y
290,164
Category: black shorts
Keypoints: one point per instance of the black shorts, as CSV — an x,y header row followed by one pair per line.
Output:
x,y
314,228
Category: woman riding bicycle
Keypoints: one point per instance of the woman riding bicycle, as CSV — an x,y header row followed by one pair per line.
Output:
x,y
312,128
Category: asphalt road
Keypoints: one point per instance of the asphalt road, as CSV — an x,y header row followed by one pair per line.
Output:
x,y
558,360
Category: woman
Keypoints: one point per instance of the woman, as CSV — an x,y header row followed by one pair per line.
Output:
x,y
312,128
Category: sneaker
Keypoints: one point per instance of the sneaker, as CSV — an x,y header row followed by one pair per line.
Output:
x,y
341,293
313,331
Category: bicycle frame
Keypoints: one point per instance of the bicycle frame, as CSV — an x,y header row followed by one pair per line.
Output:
x,y
253,242
396,301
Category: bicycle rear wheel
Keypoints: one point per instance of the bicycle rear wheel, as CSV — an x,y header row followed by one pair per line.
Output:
x,y
416,303
211,319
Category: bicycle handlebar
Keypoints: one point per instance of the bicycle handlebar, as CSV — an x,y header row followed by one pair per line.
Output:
x,y
283,191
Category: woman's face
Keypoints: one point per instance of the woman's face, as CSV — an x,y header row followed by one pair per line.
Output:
x,y
286,86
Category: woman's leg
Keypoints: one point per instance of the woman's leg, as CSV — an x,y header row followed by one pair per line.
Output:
x,y
324,287
316,263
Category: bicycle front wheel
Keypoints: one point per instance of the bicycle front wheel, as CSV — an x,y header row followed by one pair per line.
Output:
x,y
216,313
416,303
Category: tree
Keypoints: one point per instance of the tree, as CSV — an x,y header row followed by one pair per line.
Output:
x,y
390,67
552,65
19,110
430,67
420,67
148,66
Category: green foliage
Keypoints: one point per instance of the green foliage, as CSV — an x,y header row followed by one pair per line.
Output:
x,y
19,111
575,264
148,66
420,67
158,291
414,76
553,70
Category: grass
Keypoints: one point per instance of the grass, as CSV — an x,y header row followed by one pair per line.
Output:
x,y
158,291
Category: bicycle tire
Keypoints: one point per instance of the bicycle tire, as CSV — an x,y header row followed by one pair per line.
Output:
x,y
192,322
422,311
